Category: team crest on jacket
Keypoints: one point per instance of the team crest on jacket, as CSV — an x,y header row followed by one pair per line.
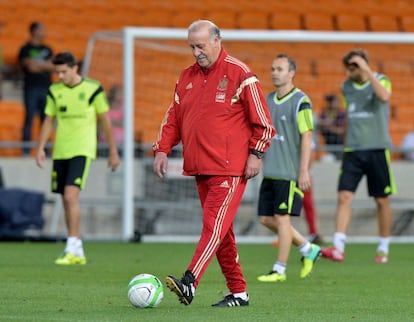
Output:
x,y
222,85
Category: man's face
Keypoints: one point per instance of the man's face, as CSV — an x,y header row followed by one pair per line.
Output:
x,y
281,75
40,33
66,74
353,73
204,49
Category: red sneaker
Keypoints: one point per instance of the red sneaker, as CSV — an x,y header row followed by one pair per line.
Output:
x,y
275,243
381,258
333,254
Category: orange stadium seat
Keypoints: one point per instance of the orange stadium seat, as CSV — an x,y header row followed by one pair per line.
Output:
x,y
319,21
254,20
11,123
155,18
183,4
407,23
370,7
284,20
351,22
223,18
383,22
183,17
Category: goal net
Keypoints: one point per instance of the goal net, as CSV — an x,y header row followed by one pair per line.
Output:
x,y
146,62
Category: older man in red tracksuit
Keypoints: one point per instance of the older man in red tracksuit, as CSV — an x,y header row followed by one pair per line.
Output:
x,y
219,114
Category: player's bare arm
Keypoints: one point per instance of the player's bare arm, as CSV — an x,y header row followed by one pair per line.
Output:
x,y
113,158
38,66
45,133
382,93
304,178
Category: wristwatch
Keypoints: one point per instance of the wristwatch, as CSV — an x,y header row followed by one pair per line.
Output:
x,y
258,154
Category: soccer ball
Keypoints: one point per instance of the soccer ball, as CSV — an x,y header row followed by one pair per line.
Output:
x,y
145,290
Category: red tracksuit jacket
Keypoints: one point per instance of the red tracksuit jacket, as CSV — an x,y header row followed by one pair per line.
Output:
x,y
218,114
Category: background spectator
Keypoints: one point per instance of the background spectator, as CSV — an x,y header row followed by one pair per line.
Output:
x,y
35,61
116,114
407,146
331,123
1,68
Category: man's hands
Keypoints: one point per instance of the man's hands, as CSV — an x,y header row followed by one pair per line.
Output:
x,y
113,161
361,63
160,164
304,180
40,157
253,166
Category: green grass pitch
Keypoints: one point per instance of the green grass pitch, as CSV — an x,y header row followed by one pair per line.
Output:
x,y
33,288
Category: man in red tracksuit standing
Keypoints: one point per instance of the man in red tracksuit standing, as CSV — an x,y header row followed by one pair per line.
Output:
x,y
219,114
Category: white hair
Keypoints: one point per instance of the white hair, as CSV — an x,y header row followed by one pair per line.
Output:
x,y
198,24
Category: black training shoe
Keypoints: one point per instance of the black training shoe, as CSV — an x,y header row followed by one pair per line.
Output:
x,y
230,300
183,288
316,239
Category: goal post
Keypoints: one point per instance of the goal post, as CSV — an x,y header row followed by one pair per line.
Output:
x,y
319,71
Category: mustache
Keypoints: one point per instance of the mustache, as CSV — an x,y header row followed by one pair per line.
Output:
x,y
201,56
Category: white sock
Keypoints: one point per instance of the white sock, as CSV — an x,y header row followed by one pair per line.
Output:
x,y
71,245
339,241
280,268
384,244
79,248
243,296
305,249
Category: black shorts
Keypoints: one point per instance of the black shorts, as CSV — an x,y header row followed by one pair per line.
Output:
x,y
70,172
281,197
375,164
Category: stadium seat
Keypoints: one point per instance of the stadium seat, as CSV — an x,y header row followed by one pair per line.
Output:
x,y
407,23
254,20
223,18
351,22
190,5
11,125
383,22
183,17
284,20
155,18
142,5
319,21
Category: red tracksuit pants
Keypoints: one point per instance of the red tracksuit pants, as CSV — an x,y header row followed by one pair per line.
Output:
x,y
220,198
